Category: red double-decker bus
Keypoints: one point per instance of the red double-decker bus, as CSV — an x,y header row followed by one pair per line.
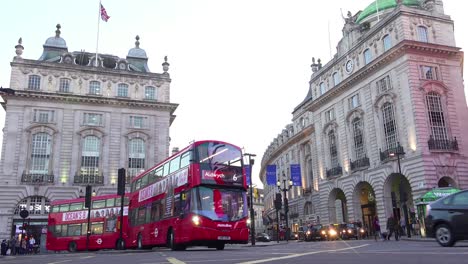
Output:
x,y
196,197
68,224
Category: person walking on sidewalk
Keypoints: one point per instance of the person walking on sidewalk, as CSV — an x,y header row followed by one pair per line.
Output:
x,y
392,226
376,226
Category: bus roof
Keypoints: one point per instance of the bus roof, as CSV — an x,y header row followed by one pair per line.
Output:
x,y
192,145
81,199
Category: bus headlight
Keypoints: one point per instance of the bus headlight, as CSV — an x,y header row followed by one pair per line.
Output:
x,y
248,221
196,220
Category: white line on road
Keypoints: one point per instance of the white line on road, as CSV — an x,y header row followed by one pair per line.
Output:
x,y
175,261
303,254
62,261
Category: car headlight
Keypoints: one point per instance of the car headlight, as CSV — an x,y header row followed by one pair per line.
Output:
x,y
361,230
350,231
323,232
196,220
332,232
308,232
248,221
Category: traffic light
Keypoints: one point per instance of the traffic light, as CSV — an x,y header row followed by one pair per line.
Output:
x,y
121,181
278,201
88,196
286,205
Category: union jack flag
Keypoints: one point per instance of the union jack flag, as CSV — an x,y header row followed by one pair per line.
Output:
x,y
104,15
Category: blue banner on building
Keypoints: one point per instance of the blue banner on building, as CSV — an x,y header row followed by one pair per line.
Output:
x,y
271,174
248,173
296,174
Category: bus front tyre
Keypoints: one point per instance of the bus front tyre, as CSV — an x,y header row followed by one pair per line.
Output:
x,y
72,246
140,242
120,244
171,240
220,247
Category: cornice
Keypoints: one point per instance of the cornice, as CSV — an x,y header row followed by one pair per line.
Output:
x,y
402,48
89,99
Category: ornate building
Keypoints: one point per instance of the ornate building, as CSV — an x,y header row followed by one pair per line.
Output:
x,y
72,119
382,122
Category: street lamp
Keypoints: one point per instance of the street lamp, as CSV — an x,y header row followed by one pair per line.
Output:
x,y
252,213
399,152
285,201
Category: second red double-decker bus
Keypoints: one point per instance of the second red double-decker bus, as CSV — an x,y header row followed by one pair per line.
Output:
x,y
68,224
196,197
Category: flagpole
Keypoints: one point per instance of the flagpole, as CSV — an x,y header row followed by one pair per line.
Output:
x,y
97,38
377,7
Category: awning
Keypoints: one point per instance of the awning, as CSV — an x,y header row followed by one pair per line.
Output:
x,y
436,194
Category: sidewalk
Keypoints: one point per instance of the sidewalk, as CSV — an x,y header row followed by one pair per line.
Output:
x,y
418,238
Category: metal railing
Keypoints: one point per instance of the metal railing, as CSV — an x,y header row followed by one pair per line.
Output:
x,y
307,190
443,144
88,179
35,178
334,171
360,163
391,152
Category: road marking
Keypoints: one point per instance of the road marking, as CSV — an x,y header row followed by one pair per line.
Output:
x,y
302,254
175,261
87,257
62,261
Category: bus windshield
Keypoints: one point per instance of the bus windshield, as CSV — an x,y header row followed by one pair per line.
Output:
x,y
219,204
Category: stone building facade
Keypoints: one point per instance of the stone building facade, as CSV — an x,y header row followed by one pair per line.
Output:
x,y
391,100
72,120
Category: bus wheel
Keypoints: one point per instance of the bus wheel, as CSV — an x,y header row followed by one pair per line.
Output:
x,y
120,244
72,246
171,240
140,242
220,247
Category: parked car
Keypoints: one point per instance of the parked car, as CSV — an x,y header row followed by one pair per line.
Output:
x,y
315,232
447,219
332,232
301,233
263,237
349,231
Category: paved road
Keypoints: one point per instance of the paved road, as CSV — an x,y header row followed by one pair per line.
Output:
x,y
361,251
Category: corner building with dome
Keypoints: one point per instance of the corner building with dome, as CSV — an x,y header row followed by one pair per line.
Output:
x,y
383,122
73,119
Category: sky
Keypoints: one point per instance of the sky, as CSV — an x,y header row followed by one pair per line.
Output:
x,y
238,67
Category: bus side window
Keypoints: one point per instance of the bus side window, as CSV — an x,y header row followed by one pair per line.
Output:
x,y
64,230
159,173
64,207
138,184
185,159
155,211
55,208
141,215
144,181
110,202
99,204
148,213
174,164
97,228
152,176
166,169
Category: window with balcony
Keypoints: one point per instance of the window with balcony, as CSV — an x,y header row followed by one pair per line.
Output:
x,y
336,78
64,85
389,126
92,119
40,154
429,73
122,90
422,34
43,116
136,156
332,145
384,85
439,139
358,138
90,156
367,56
94,88
34,82
150,93
387,42
354,101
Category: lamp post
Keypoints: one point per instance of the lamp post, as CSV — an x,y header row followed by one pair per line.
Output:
x,y
285,201
398,152
252,213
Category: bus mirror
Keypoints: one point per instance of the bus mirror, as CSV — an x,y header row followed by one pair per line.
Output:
x,y
184,196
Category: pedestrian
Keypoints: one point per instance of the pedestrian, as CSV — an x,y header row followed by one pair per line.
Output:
x,y
402,226
3,247
18,246
376,226
32,243
13,246
392,227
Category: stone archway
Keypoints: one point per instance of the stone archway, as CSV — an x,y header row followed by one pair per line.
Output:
x,y
397,195
337,206
38,208
365,205
446,182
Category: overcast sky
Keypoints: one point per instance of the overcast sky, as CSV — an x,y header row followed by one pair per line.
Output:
x,y
238,67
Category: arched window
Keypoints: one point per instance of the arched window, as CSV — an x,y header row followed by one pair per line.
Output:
x,y
387,42
436,116
95,88
358,138
422,34
34,82
333,149
323,88
367,56
64,85
150,93
136,156
389,125
90,156
34,204
122,90
40,154
336,78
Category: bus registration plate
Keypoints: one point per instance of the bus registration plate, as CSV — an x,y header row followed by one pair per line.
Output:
x,y
224,238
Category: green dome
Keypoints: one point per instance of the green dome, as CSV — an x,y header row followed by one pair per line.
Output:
x,y
383,5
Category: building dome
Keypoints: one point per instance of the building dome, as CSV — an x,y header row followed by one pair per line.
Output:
x,y
54,47
136,52
382,5
56,41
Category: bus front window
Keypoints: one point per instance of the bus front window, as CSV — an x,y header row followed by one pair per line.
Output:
x,y
219,204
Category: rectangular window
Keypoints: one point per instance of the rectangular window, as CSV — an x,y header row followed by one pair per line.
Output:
x,y
122,90
43,116
185,159
329,115
367,56
34,82
384,85
354,101
429,73
110,202
95,88
64,207
174,164
97,228
64,85
150,93
138,121
387,42
99,204
91,119
76,206
74,230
